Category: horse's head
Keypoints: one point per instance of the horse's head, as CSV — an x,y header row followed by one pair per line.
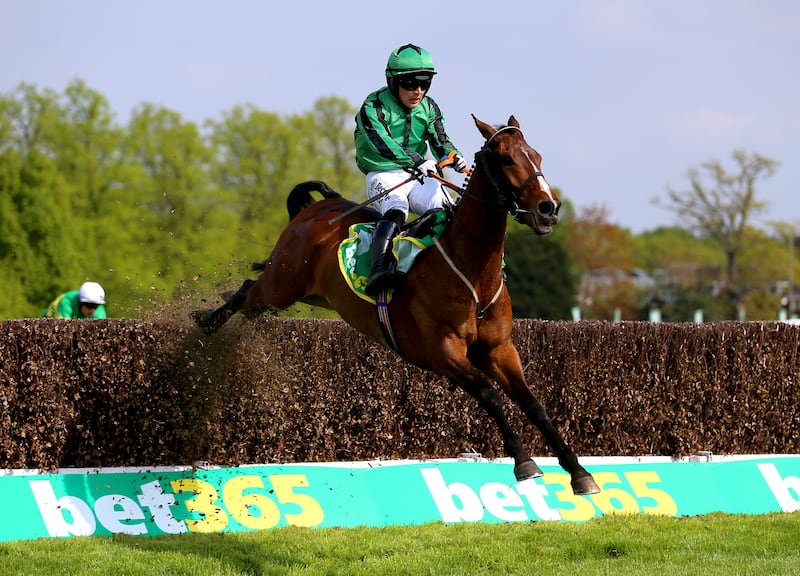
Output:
x,y
512,168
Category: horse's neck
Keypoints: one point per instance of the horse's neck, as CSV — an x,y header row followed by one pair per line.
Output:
x,y
478,234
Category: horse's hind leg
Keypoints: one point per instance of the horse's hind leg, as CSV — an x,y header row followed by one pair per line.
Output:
x,y
212,320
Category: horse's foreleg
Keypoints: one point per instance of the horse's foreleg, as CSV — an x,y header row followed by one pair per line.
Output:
x,y
212,320
505,366
477,386
582,482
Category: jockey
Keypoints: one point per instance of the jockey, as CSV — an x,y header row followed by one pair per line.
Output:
x,y
394,128
86,302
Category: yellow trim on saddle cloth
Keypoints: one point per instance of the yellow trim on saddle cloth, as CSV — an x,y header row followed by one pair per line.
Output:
x,y
355,256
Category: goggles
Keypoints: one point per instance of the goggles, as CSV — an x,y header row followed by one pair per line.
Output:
x,y
411,83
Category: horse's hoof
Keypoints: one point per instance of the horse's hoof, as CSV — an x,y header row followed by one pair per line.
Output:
x,y
526,470
200,317
584,485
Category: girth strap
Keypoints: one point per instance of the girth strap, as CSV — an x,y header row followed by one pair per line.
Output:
x,y
382,304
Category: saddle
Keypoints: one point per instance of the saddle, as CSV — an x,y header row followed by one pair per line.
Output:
x,y
426,225
355,253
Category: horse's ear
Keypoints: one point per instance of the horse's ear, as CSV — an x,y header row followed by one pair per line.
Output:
x,y
513,121
484,128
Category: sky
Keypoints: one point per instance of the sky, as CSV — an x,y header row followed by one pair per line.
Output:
x,y
620,97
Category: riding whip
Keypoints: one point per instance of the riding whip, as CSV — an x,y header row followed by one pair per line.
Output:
x,y
431,174
368,201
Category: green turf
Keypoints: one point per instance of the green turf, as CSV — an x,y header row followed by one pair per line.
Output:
x,y
713,545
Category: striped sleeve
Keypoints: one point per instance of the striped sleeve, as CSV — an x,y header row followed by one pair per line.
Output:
x,y
373,124
439,140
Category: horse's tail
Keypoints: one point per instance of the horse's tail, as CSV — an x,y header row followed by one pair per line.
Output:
x,y
300,196
299,199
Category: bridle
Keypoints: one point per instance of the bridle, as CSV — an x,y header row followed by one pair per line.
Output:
x,y
508,201
512,206
506,206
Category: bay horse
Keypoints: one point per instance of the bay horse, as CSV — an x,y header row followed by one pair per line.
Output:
x,y
453,313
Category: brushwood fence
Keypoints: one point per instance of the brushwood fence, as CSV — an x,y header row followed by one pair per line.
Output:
x,y
133,393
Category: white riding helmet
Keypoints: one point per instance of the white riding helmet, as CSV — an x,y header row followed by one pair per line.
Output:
x,y
92,293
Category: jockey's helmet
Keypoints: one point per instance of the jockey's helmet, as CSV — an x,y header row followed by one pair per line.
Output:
x,y
91,293
409,59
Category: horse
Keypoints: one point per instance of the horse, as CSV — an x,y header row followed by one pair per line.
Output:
x,y
453,314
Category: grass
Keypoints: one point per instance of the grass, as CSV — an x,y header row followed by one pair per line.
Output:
x,y
713,545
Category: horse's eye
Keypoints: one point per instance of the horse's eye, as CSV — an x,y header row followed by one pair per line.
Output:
x,y
507,160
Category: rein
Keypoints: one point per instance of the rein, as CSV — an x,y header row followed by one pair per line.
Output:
x,y
509,203
509,206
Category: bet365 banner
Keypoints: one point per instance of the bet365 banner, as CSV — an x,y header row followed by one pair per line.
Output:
x,y
183,500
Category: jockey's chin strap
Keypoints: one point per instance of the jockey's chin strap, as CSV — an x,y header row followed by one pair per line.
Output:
x,y
479,312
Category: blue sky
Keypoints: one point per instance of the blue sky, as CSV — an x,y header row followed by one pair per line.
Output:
x,y
621,97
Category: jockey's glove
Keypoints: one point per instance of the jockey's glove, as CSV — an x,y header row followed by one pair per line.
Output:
x,y
454,160
422,169
459,164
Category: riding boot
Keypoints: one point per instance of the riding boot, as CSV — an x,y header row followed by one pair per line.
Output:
x,y
382,276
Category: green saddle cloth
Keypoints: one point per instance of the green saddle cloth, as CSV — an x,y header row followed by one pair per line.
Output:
x,y
355,253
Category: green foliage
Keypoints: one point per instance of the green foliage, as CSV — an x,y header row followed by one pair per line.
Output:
x,y
677,252
720,205
156,211
164,213
539,280
690,269
684,302
36,243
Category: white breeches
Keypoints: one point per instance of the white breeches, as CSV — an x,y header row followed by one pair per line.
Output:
x,y
413,196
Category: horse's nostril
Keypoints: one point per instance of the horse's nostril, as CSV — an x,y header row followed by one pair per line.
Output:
x,y
547,208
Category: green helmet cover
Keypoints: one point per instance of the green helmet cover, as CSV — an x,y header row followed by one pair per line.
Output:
x,y
409,59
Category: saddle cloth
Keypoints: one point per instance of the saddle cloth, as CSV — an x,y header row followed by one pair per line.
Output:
x,y
355,252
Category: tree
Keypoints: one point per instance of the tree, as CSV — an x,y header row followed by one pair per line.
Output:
x,y
252,165
86,148
787,235
762,273
37,246
594,243
260,156
334,154
602,260
719,204
683,266
676,252
538,275
177,233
